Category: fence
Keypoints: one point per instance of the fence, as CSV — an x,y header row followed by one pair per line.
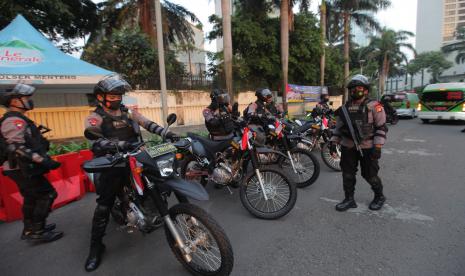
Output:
x,y
68,122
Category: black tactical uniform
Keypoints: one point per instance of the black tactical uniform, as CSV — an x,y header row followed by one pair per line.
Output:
x,y
218,116
120,128
369,122
25,152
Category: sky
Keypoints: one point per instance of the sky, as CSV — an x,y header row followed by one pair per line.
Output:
x,y
400,16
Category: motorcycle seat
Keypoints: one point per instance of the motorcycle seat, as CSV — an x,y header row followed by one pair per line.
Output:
x,y
210,145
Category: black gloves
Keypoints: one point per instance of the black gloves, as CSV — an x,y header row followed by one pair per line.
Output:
x,y
332,148
50,164
375,153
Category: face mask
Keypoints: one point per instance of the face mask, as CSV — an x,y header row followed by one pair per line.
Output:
x,y
113,105
29,105
325,100
357,94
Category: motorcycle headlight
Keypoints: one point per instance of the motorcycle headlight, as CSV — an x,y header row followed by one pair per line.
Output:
x,y
165,167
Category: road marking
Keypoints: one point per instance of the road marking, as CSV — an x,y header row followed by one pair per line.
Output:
x,y
420,152
414,140
404,213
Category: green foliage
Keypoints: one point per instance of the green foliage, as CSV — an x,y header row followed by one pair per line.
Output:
x,y
130,53
57,149
434,62
257,50
58,19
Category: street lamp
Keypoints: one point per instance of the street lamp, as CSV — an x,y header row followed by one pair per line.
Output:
x,y
362,61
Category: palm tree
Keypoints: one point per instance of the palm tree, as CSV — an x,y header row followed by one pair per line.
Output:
x,y
323,42
176,19
227,46
357,11
387,49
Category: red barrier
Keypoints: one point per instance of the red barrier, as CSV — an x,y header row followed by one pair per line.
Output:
x,y
69,180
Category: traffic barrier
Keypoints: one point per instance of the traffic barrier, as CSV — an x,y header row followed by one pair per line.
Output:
x,y
69,180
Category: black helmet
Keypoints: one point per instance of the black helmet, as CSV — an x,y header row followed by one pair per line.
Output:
x,y
221,96
112,84
359,80
20,90
263,94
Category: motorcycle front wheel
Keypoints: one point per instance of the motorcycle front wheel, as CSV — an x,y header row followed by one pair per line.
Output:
x,y
306,165
211,251
280,191
330,161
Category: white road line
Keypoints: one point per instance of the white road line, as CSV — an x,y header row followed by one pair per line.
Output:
x,y
404,213
414,140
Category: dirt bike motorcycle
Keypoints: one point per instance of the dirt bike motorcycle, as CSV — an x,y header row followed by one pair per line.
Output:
x,y
195,238
265,192
301,164
318,135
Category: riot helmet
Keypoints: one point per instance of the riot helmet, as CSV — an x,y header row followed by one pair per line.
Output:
x,y
220,96
18,91
113,85
264,95
358,87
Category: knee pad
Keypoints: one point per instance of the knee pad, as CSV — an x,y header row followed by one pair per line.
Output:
x,y
348,177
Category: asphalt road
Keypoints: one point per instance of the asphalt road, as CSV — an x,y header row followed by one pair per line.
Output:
x,y
420,231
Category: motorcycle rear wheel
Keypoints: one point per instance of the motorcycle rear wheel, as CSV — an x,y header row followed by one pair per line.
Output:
x,y
330,161
211,249
308,167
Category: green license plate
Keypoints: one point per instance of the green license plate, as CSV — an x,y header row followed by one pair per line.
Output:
x,y
159,150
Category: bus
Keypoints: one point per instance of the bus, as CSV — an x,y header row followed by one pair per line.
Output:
x,y
442,101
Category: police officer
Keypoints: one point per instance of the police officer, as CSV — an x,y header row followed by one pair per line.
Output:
x,y
120,128
219,117
369,121
263,107
25,152
322,107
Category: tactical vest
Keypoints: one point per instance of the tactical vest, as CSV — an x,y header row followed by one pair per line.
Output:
x,y
121,127
359,117
260,110
225,128
33,141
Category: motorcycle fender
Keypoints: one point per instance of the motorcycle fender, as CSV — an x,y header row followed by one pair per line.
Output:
x,y
190,189
268,150
198,149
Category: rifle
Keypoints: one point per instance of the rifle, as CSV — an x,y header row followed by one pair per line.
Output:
x,y
355,137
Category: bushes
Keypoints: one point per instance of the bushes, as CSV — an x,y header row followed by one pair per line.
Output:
x,y
57,149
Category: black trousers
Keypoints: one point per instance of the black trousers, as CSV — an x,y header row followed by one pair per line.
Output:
x,y
350,158
38,195
110,184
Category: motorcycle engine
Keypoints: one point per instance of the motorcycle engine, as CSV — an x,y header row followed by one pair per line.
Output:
x,y
222,174
135,217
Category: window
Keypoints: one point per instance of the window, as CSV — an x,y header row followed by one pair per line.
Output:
x,y
461,18
450,1
449,19
461,12
462,5
448,13
450,6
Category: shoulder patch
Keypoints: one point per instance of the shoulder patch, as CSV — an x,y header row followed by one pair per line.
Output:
x,y
379,107
93,121
19,124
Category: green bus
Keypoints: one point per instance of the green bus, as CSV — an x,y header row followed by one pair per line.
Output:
x,y
442,101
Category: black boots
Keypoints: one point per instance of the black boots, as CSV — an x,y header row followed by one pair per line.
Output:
x,y
28,228
346,204
95,256
377,202
97,248
40,234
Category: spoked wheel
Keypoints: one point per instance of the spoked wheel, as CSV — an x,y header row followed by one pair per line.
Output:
x,y
331,161
210,250
306,165
191,170
281,194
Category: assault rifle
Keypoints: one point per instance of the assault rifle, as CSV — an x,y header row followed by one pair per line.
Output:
x,y
355,137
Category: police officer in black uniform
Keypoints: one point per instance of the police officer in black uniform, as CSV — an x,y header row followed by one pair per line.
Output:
x,y
369,122
26,161
219,116
322,107
120,128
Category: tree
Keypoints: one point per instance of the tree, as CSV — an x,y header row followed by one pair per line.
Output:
x,y
284,19
387,50
118,14
434,62
129,52
323,41
227,46
358,12
58,19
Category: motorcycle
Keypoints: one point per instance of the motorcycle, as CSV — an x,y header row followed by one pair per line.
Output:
x,y
391,114
195,238
318,136
265,192
283,137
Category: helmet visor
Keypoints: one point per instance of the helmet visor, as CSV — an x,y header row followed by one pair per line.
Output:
x,y
223,98
114,85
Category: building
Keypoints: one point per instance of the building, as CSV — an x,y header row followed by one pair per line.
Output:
x,y
194,56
